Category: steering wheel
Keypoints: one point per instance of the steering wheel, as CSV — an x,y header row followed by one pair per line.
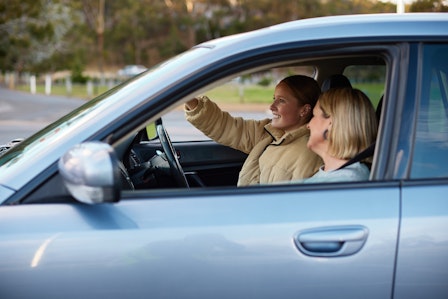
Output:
x,y
176,169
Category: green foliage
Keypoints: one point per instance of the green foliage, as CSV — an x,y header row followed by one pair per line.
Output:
x,y
77,74
31,32
373,90
429,6
48,35
265,81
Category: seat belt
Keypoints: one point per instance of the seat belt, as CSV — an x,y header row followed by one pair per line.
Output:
x,y
368,152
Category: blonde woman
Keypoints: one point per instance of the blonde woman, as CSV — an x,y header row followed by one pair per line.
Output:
x,y
344,123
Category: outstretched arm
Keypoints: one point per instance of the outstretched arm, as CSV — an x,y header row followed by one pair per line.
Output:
x,y
220,126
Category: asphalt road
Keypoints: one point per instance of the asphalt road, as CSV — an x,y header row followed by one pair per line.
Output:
x,y
22,114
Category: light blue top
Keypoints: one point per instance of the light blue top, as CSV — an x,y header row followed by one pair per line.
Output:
x,y
353,172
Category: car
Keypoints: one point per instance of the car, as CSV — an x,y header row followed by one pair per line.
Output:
x,y
107,202
131,70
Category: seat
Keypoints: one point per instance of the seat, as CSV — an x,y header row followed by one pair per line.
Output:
x,y
335,81
379,108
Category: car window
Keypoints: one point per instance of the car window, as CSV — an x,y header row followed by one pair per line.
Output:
x,y
430,157
248,96
368,78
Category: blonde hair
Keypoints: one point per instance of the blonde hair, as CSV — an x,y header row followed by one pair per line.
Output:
x,y
353,121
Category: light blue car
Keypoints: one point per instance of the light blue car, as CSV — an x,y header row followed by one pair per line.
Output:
x,y
101,204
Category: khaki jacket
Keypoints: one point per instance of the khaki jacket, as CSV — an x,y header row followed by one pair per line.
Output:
x,y
274,155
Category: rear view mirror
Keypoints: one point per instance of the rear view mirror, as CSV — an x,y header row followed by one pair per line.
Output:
x,y
90,172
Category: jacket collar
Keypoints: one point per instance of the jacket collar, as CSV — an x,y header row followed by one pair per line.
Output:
x,y
280,136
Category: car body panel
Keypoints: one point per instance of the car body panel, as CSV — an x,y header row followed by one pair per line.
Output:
x,y
200,247
423,247
5,192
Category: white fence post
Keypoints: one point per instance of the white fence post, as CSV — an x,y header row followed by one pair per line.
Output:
x,y
11,79
33,84
400,6
47,84
89,89
68,85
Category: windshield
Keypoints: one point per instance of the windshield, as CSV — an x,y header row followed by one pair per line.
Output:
x,y
115,97
52,131
101,114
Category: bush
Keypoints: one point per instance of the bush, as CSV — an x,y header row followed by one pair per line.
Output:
x,y
77,76
264,81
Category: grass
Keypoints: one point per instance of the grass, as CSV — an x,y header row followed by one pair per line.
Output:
x,y
259,94
78,91
230,93
373,90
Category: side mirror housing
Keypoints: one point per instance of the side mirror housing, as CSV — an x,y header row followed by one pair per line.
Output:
x,y
91,172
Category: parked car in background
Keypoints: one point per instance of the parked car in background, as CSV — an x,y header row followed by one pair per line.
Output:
x,y
102,203
131,71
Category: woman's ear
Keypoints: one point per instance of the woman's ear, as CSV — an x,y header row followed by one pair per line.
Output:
x,y
306,109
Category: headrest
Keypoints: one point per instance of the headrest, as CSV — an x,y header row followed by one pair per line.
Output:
x,y
335,81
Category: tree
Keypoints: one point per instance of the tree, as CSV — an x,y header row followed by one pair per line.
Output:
x,y
428,6
48,35
31,32
94,15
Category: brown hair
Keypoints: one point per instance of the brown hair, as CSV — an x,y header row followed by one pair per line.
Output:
x,y
353,121
305,89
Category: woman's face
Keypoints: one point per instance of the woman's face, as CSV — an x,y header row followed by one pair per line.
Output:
x,y
287,115
318,125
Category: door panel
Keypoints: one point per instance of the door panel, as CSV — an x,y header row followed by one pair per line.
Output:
x,y
422,264
236,243
213,163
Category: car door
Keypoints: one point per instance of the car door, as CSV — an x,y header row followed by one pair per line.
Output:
x,y
262,242
422,263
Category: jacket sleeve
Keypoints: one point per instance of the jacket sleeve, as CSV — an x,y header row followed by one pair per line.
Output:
x,y
223,128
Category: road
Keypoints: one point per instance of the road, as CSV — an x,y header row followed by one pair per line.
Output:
x,y
22,114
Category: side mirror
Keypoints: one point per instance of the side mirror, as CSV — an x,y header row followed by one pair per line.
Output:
x,y
91,172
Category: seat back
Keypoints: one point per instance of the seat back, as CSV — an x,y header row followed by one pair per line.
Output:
x,y
335,81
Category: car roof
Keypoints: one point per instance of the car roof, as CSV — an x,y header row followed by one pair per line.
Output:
x,y
384,26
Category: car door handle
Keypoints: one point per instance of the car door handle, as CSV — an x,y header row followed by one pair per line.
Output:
x,y
331,241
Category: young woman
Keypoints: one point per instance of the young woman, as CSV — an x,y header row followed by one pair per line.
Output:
x,y
277,147
344,123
